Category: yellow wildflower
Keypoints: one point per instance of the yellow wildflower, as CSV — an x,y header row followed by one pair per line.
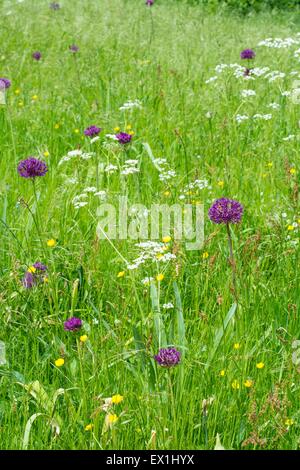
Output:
x,y
160,277
112,418
121,274
89,427
166,239
83,338
116,399
59,362
31,269
51,243
260,365
289,422
248,383
235,385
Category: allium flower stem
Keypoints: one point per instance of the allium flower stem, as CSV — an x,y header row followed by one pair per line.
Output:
x,y
173,401
232,261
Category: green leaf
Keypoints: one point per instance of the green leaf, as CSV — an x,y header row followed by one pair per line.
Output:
x,y
220,333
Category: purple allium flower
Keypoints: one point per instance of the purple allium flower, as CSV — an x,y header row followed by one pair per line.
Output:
x,y
37,55
74,48
54,6
247,54
168,357
4,83
32,167
226,211
73,324
149,3
92,131
124,138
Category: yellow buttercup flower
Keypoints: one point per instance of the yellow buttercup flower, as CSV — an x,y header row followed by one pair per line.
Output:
x,y
116,399
130,132
167,193
76,131
220,184
160,277
222,373
17,91
270,164
128,127
46,153
83,338
205,255
46,279
59,362
121,274
289,422
31,269
248,383
235,385
291,228
35,97
112,418
89,427
166,239
51,243
116,129
260,365
293,171
56,126
236,346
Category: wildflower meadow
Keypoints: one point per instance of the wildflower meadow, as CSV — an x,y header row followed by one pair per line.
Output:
x,y
149,223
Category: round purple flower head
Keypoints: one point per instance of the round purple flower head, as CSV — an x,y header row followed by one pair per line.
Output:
x,y
226,211
149,3
54,6
36,55
124,138
74,48
247,54
73,324
168,357
32,167
92,131
4,83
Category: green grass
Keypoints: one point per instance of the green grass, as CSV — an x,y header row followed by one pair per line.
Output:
x,y
163,57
